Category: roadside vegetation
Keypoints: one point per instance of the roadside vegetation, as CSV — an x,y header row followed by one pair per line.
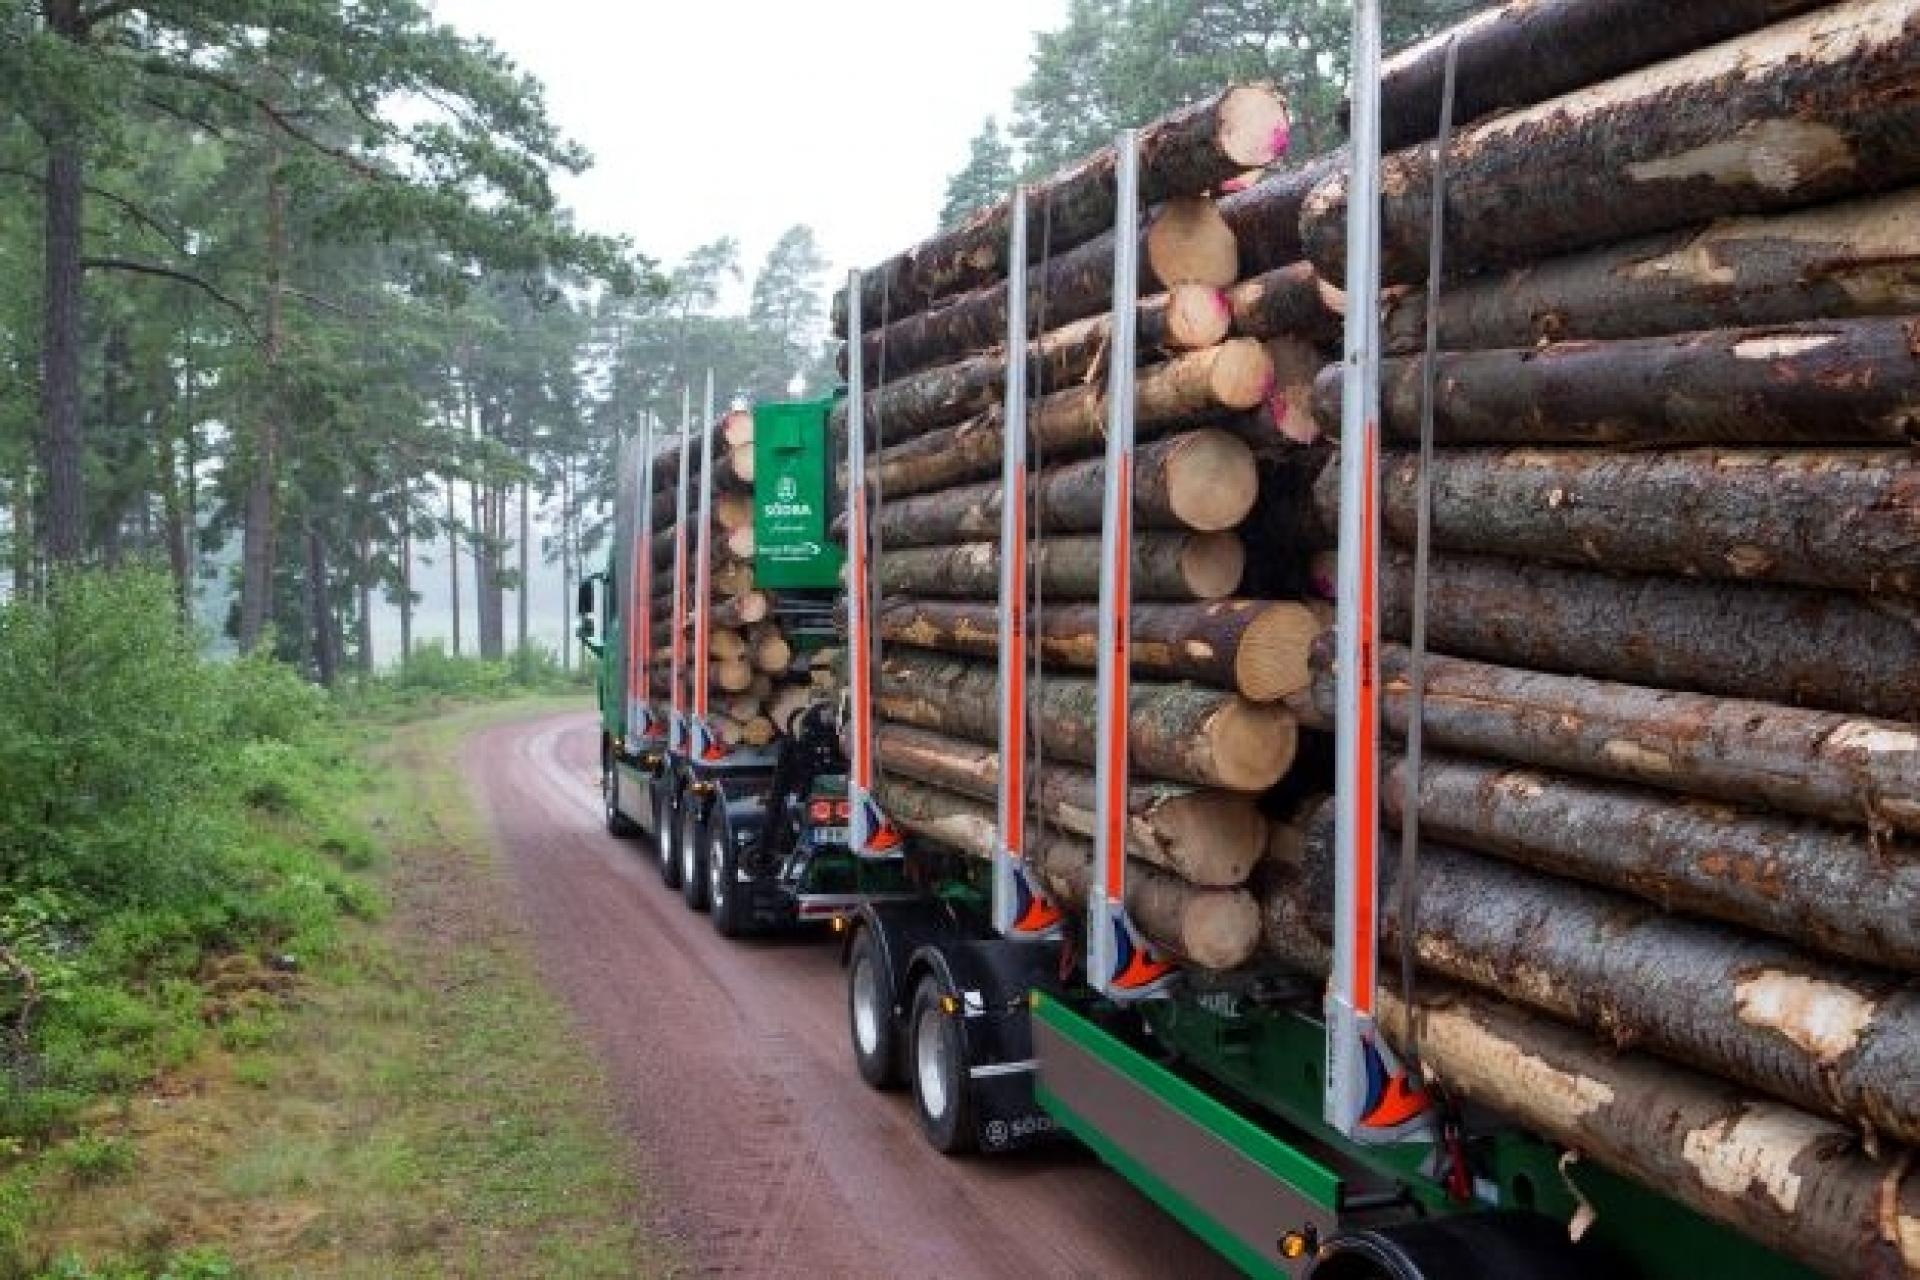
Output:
x,y
263,1006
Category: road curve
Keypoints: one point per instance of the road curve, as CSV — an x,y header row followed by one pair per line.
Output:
x,y
731,1069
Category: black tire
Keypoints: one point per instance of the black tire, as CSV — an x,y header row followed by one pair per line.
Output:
x,y
666,840
618,823
692,846
723,887
870,1022
937,1064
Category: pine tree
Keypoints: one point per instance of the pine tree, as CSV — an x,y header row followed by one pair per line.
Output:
x,y
985,178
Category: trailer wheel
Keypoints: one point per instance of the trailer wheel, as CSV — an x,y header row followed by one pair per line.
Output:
x,y
667,839
723,889
1472,1246
876,1043
618,823
691,844
938,1062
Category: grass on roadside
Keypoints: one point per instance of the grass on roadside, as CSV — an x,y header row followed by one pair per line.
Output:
x,y
413,1103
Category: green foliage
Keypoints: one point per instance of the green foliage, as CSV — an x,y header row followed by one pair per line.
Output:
x,y
985,179
92,1157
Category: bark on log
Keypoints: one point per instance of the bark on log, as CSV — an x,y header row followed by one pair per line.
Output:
x,y
1188,317
1519,54
1791,1181
1834,1038
1291,302
1235,376
1212,928
1186,153
1823,649
726,644
1837,891
742,610
1821,382
1818,763
1186,241
1846,518
1166,566
770,651
1201,480
1265,218
1178,733
1208,838
1861,258
1813,110
1259,649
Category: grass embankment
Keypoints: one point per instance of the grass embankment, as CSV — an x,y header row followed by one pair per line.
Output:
x,y
325,1050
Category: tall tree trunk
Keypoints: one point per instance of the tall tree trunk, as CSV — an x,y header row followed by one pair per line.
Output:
x,y
566,564
179,562
257,535
403,521
520,593
24,527
453,563
326,651
363,580
63,444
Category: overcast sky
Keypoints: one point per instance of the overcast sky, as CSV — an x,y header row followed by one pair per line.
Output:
x,y
743,117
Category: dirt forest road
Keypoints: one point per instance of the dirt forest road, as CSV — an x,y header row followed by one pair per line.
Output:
x,y
730,1066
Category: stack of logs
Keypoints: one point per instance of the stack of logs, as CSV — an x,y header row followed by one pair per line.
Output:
x,y
1212,662
1672,775
1669,911
756,678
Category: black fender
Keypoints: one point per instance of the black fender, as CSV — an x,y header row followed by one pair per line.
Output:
x,y
902,931
1501,1245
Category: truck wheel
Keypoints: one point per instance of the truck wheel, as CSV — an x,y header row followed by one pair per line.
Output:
x,y
723,889
618,823
876,1046
691,843
941,1096
667,840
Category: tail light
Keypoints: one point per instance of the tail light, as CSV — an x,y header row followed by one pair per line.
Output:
x,y
843,810
820,812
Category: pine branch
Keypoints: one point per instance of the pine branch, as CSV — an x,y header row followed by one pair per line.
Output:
x,y
133,211
171,273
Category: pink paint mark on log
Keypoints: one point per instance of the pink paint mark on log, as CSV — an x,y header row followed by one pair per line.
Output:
x,y
1277,409
1220,303
1281,140
1267,386
1239,182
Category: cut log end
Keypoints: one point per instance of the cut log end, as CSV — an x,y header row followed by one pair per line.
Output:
x,y
1211,481
1190,243
1255,129
1211,564
1219,930
1253,744
1275,657
1241,376
1197,317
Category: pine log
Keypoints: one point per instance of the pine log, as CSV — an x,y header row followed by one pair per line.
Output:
x,y
1833,890
732,510
1186,241
735,470
1189,317
1791,1181
1747,640
1208,838
1817,763
742,610
1834,1038
1845,518
726,644
1177,733
762,687
1819,382
732,675
770,651
737,427
1212,928
1291,302
1187,153
1201,480
1166,566
1860,258
1236,375
1265,217
1518,54
1260,649
1284,533
1813,110
757,731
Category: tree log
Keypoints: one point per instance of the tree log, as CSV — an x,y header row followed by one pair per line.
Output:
x,y
743,610
1817,763
1820,382
1823,649
1208,838
1519,54
1265,218
1187,153
1845,518
1836,891
733,675
1186,241
1258,648
1810,111
770,651
1166,566
1212,928
1833,1038
1290,302
1791,1181
1189,317
1201,480
726,644
1236,375
1861,258
1178,733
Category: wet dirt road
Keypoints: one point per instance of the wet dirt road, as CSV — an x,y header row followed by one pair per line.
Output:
x,y
730,1066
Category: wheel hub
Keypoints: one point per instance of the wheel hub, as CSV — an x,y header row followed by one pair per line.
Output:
x,y
866,1006
931,1062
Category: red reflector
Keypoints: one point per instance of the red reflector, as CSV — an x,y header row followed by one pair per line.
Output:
x,y
820,811
843,811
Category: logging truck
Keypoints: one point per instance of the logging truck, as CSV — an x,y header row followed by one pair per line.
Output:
x,y
1419,774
